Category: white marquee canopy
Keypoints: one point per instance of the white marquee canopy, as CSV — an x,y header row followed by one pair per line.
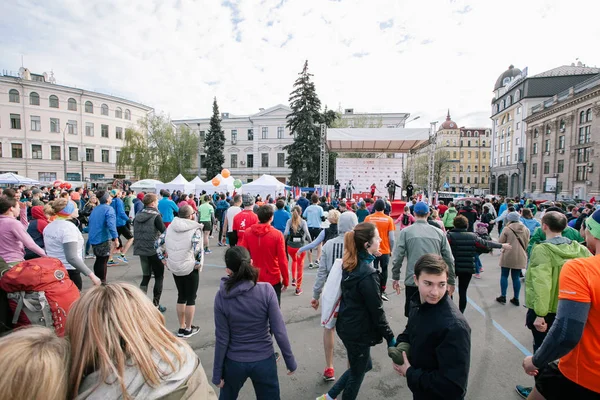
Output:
x,y
376,140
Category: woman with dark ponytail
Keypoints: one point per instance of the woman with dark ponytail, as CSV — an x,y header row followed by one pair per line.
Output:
x,y
246,314
361,321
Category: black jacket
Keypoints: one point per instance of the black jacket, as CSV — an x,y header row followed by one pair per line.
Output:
x,y
361,319
464,249
471,215
440,350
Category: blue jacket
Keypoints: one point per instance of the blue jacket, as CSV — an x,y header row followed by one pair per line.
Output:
x,y
119,207
280,219
102,224
167,209
137,206
222,206
303,203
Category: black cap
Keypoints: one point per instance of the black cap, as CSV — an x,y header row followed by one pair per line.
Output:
x,y
379,205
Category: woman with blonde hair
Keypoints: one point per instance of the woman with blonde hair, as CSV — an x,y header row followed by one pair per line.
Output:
x,y
361,321
121,349
34,364
296,234
63,240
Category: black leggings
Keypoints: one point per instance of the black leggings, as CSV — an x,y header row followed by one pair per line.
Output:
x,y
464,278
187,287
100,266
76,278
154,264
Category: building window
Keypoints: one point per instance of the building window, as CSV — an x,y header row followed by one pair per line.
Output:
x,y
501,147
72,104
46,176
518,126
103,131
118,155
581,173
476,154
546,167
17,150
560,166
547,145
280,160
55,152
460,179
36,151
535,133
584,134
233,136
36,123
202,135
588,134
73,154
508,101
234,161
582,117
250,134
250,160
264,160
119,133
482,180
462,154
583,155
562,125
518,110
104,109
53,101
89,107
533,186
13,96
548,130
118,112
104,156
517,97
280,132
453,179
265,132
507,146
516,157
15,121
468,143
460,168
454,154
89,129
507,160
482,169
54,125
535,148
517,141
72,127
468,179
34,99
89,155
588,114
127,114
534,169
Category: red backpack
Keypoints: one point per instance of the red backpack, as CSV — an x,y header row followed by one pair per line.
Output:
x,y
39,292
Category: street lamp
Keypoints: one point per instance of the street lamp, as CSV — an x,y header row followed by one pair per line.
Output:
x,y
414,119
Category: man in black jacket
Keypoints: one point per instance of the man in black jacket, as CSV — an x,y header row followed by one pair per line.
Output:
x,y
471,214
439,337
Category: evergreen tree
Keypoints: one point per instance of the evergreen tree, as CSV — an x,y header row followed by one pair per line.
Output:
x,y
304,152
214,145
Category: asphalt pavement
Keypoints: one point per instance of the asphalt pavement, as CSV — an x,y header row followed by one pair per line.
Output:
x,y
499,338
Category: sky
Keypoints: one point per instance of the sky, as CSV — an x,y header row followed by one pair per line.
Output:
x,y
422,57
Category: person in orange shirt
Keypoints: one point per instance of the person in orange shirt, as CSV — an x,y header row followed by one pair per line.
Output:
x,y
573,339
385,227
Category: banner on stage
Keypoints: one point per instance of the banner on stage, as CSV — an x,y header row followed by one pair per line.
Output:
x,y
366,171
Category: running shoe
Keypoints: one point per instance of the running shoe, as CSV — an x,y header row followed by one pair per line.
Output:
x,y
293,282
180,332
477,276
515,301
324,397
316,263
523,391
162,309
123,258
481,269
207,251
384,297
220,244
329,375
501,299
298,292
310,266
89,256
191,332
112,263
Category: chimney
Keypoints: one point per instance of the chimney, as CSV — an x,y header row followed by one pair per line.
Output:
x,y
349,111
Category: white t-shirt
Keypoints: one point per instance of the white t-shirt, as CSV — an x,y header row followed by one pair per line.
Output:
x,y
57,233
232,212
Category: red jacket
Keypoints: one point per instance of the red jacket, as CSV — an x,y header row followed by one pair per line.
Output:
x,y
242,221
267,249
442,208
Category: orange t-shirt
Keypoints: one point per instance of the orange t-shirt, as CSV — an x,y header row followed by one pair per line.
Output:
x,y
384,225
580,281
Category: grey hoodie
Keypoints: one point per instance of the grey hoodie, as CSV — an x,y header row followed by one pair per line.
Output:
x,y
333,250
136,385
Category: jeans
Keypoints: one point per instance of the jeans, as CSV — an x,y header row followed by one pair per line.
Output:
x,y
152,264
263,375
383,261
463,284
359,358
478,264
515,275
87,247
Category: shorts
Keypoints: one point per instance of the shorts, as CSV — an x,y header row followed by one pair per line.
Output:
x,y
187,287
207,226
314,232
552,384
125,232
101,249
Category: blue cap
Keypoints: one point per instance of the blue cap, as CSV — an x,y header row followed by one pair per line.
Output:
x,y
421,208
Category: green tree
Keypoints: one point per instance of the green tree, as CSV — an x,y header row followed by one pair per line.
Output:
x,y
303,122
185,145
135,156
214,145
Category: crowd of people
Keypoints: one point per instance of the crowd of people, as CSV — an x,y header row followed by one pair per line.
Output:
x,y
111,353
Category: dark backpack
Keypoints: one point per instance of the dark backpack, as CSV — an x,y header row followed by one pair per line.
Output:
x,y
297,236
405,220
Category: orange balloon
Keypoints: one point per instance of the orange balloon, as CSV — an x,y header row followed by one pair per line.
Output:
x,y
225,173
215,181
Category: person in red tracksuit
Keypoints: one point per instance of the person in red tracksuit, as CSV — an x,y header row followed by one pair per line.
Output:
x,y
267,250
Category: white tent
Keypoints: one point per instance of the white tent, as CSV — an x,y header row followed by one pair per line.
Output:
x,y
225,185
179,183
14,179
145,185
266,184
197,181
377,140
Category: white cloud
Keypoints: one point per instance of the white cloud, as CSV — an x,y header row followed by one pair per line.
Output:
x,y
382,56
